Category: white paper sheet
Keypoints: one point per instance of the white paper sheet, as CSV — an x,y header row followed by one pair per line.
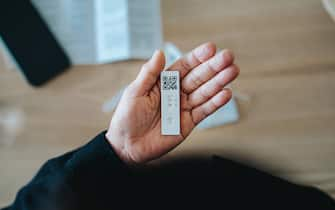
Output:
x,y
72,23
100,31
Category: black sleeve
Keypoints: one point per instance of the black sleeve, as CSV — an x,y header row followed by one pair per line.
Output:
x,y
262,190
64,182
93,177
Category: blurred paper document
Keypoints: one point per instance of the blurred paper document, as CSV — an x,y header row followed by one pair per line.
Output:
x,y
225,115
101,31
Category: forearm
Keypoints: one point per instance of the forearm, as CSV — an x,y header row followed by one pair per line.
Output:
x,y
64,181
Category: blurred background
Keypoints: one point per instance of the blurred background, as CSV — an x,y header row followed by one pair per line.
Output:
x,y
285,93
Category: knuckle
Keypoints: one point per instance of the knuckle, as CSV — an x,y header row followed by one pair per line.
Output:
x,y
195,57
184,64
213,105
204,94
206,112
196,80
211,68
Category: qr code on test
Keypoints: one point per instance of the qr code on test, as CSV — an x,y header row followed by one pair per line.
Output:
x,y
169,82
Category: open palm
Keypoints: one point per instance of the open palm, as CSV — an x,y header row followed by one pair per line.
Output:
x,y
135,129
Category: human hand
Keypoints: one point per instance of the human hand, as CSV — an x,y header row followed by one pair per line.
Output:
x,y
135,129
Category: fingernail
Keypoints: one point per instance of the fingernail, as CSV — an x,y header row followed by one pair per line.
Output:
x,y
153,56
155,53
228,87
229,55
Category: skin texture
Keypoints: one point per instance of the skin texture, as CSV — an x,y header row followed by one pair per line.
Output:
x,y
135,129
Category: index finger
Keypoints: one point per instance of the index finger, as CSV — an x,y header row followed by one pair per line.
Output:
x,y
194,58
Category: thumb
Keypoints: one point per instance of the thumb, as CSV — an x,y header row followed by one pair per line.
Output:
x,y
150,72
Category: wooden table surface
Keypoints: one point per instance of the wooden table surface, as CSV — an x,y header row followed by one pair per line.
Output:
x,y
286,50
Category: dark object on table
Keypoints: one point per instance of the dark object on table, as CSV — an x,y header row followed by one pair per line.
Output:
x,y
29,41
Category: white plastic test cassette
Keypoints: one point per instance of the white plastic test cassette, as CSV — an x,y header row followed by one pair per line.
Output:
x,y
170,103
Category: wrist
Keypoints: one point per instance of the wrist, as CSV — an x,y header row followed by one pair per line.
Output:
x,y
119,148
